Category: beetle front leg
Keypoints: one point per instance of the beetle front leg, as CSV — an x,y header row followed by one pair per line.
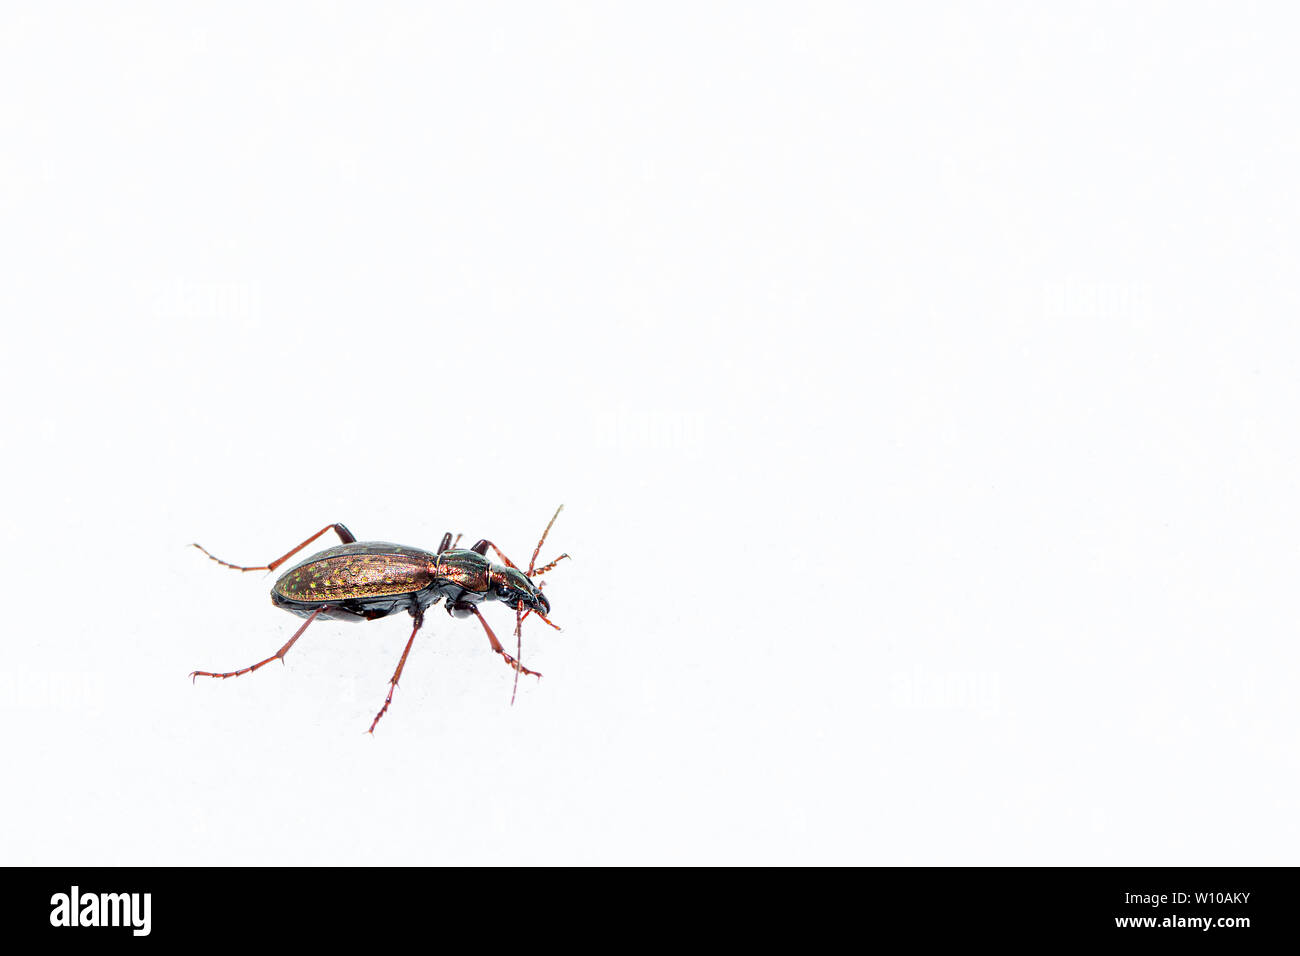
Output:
x,y
464,609
344,534
278,656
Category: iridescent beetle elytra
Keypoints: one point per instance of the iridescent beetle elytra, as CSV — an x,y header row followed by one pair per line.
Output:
x,y
366,580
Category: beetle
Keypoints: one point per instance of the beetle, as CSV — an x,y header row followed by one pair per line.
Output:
x,y
367,580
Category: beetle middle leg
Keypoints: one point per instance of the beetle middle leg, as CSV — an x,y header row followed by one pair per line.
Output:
x,y
346,536
278,656
392,684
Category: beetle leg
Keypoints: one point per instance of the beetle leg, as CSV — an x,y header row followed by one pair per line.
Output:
x,y
481,547
392,684
484,544
278,656
492,639
344,534
510,564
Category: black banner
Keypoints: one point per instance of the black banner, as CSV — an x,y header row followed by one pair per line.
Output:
x,y
1228,906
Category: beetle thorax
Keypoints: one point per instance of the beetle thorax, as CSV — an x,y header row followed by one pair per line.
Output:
x,y
464,569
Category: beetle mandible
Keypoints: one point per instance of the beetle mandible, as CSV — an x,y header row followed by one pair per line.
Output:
x,y
367,580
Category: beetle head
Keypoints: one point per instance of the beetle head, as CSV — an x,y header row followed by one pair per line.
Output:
x,y
510,586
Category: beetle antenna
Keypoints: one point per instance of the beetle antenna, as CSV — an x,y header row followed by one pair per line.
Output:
x,y
519,647
536,551
519,605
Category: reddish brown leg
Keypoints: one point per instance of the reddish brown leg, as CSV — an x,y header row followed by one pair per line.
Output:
x,y
344,534
278,656
510,564
496,645
484,544
392,684
482,547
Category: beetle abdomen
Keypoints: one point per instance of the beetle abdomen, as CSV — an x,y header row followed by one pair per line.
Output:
x,y
351,576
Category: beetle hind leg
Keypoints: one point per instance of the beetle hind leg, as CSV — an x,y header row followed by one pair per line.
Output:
x,y
344,534
277,656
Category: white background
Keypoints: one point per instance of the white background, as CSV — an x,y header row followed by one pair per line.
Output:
x,y
920,380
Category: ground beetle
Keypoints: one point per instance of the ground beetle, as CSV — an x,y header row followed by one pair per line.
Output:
x,y
366,580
